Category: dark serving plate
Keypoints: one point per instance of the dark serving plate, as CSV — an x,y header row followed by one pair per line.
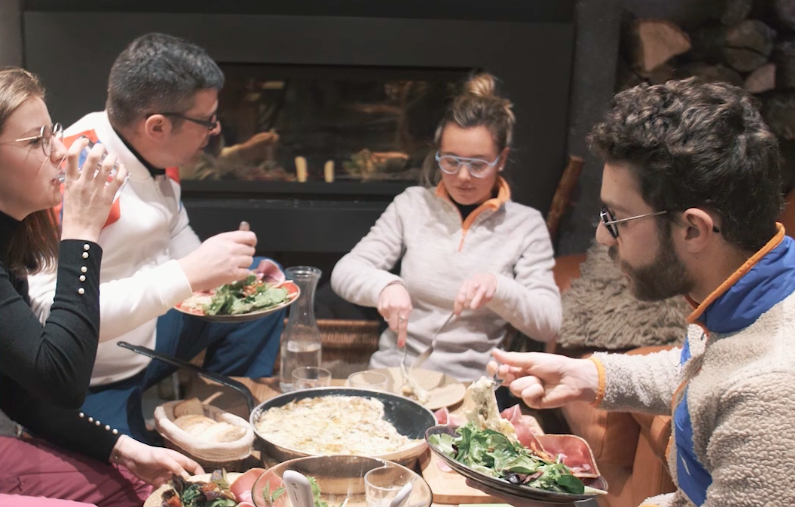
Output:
x,y
407,416
506,487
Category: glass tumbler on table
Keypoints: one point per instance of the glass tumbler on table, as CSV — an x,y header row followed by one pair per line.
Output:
x,y
381,485
308,377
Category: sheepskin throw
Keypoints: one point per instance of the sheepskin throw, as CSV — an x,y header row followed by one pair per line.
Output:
x,y
600,312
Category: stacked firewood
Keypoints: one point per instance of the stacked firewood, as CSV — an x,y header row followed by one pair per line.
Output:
x,y
751,43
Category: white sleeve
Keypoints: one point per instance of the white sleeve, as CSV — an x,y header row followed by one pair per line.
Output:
x,y
361,275
183,240
124,304
530,301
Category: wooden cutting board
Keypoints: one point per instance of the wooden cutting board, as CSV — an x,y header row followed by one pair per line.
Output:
x,y
450,487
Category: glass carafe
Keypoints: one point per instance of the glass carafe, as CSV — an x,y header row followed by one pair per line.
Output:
x,y
301,344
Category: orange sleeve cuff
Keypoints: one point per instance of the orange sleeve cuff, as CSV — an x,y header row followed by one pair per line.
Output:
x,y
600,390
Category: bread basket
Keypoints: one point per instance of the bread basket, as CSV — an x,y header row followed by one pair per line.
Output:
x,y
225,444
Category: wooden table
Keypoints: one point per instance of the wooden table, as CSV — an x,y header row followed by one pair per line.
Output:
x,y
266,388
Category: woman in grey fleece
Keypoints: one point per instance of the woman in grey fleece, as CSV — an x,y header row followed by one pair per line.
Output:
x,y
691,194
464,246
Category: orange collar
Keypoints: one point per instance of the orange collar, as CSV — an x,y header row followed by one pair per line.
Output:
x,y
729,282
503,196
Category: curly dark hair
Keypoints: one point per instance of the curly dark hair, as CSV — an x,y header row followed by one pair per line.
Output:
x,y
695,145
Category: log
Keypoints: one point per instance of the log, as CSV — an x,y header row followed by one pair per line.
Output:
x,y
743,47
762,79
785,12
660,74
779,14
736,11
654,42
710,73
784,56
778,109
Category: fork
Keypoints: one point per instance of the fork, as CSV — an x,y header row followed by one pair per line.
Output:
x,y
496,381
427,352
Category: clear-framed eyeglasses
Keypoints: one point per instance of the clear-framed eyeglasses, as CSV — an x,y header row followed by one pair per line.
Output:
x,y
611,224
478,168
45,136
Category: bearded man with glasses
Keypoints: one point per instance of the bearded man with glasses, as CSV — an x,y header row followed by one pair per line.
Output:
x,y
690,194
161,112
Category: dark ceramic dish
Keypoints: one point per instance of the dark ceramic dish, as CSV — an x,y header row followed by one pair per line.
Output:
x,y
506,487
408,417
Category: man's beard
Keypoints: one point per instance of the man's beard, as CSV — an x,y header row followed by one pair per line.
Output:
x,y
664,278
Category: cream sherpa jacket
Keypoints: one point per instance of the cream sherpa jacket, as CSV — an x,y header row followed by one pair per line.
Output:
x,y
730,389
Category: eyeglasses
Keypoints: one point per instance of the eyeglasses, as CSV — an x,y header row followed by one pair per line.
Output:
x,y
45,136
450,164
210,124
611,224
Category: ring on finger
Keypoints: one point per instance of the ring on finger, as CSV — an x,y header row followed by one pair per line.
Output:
x,y
401,318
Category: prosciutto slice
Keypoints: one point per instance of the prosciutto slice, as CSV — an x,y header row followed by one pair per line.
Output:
x,y
574,452
242,486
525,426
443,416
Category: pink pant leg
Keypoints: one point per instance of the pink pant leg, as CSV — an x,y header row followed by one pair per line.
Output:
x,y
38,469
37,501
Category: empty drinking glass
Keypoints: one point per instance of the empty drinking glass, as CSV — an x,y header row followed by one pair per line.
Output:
x,y
381,485
308,377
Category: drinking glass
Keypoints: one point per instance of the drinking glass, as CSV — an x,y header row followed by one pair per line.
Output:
x,y
381,485
308,377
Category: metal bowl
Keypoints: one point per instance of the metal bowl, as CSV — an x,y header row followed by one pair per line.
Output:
x,y
408,417
339,478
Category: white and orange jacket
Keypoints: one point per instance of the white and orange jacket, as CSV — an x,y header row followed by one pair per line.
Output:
x,y
438,252
140,279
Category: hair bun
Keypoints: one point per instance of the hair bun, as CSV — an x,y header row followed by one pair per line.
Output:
x,y
482,85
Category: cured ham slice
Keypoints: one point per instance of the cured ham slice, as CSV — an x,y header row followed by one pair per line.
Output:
x,y
443,416
242,486
573,451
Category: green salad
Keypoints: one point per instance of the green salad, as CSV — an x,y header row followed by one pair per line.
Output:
x,y
244,296
492,453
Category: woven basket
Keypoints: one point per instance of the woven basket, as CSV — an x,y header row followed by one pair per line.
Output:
x,y
230,466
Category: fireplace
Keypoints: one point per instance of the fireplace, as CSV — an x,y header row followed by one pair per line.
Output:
x,y
329,107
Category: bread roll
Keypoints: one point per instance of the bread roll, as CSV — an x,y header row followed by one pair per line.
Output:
x,y
188,407
194,424
222,432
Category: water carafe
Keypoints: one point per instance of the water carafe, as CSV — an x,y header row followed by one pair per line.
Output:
x,y
301,344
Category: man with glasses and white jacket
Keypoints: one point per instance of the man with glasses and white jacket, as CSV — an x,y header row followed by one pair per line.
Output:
x,y
160,113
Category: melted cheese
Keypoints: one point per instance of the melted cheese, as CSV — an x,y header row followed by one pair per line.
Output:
x,y
332,425
480,407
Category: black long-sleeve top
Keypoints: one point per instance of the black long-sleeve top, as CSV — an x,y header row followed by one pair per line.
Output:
x,y
45,369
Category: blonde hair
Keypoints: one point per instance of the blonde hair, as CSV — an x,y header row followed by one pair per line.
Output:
x,y
34,245
477,105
